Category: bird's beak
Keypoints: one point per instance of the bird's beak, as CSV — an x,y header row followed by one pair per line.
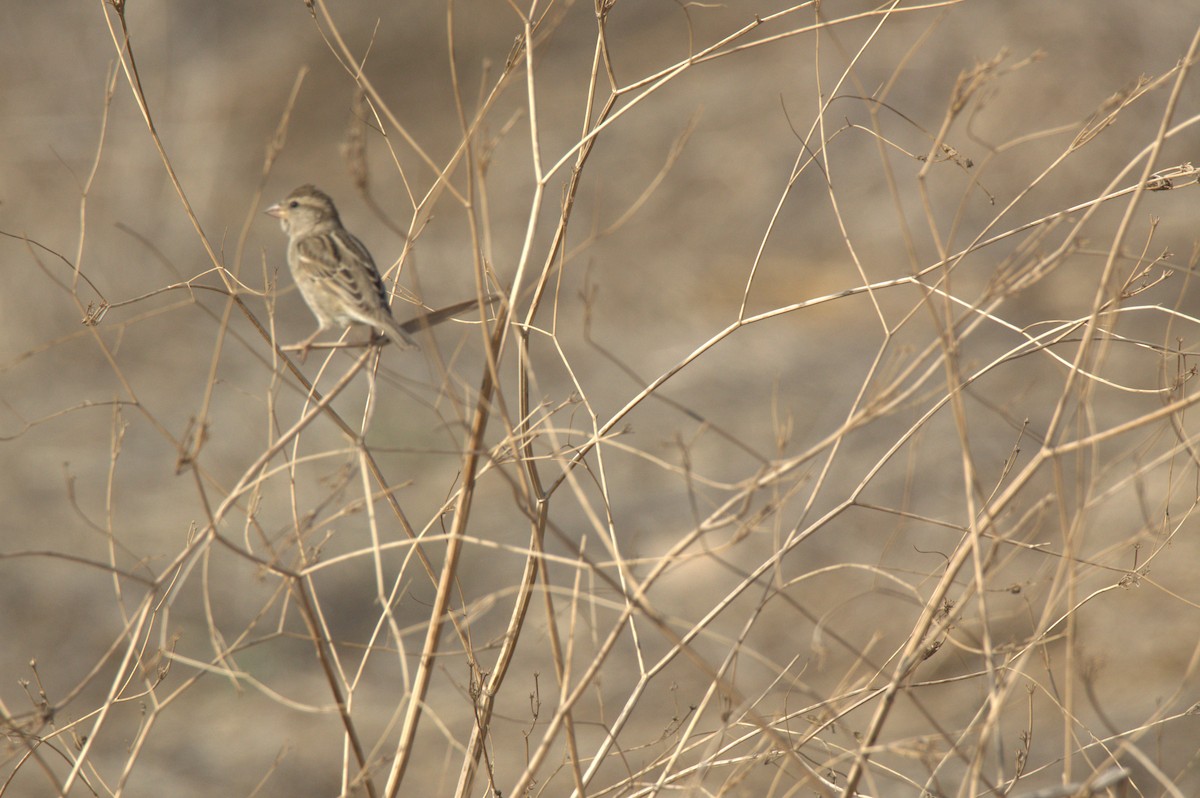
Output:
x,y
276,210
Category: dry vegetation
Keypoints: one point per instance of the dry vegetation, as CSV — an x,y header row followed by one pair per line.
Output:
x,y
830,433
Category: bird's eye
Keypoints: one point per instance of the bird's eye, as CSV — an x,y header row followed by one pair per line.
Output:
x,y
294,204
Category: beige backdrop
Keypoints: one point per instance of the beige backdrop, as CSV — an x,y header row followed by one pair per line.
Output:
x,y
754,495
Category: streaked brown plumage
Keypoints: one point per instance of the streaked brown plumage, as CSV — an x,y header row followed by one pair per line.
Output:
x,y
333,270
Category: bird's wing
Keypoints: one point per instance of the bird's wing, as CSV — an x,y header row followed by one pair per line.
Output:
x,y
342,265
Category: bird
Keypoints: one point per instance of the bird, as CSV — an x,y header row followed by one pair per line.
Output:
x,y
333,270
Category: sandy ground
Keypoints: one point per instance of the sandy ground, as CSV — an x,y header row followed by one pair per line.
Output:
x,y
810,562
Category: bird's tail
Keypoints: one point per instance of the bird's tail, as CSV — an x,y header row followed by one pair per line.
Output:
x,y
399,337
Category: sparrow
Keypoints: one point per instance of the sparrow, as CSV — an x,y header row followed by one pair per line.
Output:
x,y
333,270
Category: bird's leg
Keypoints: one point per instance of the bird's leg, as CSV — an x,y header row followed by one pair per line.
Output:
x,y
305,345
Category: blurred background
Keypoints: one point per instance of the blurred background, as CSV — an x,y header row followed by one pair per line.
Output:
x,y
795,540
